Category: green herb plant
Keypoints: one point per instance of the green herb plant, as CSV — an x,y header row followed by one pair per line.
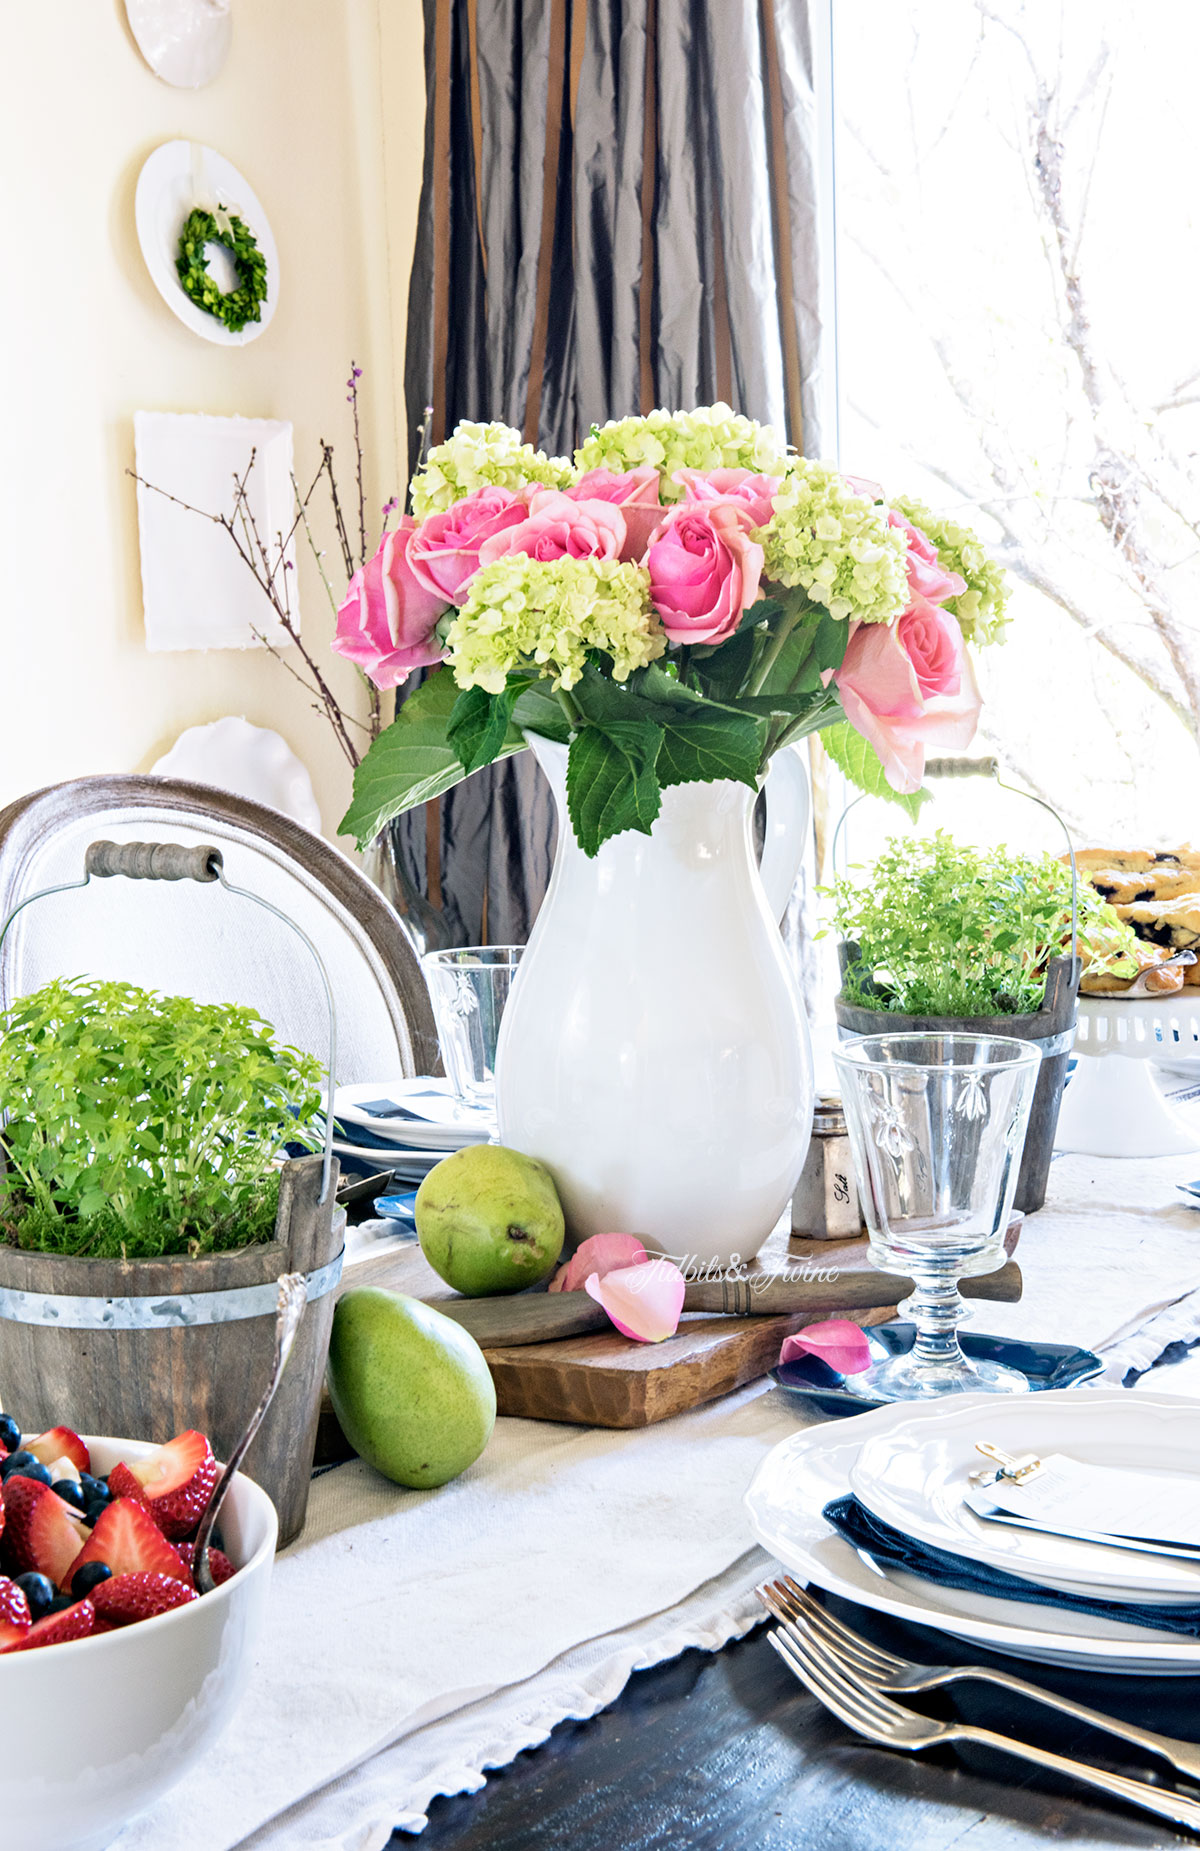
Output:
x,y
140,1125
946,930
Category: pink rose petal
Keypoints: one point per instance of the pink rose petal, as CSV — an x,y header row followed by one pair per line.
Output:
x,y
601,1254
836,1341
644,1302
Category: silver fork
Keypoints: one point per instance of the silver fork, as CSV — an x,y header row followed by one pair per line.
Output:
x,y
789,1602
868,1712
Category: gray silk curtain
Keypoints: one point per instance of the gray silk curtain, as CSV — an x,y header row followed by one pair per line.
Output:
x,y
618,211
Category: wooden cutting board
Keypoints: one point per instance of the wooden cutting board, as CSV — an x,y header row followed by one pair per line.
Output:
x,y
606,1380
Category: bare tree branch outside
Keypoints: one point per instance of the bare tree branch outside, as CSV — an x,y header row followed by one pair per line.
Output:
x,y
1020,263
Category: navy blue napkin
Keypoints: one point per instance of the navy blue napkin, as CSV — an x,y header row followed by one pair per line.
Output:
x,y
891,1548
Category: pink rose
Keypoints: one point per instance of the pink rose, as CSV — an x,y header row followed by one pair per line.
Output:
x,y
557,527
635,492
926,577
445,547
907,686
386,621
704,572
741,487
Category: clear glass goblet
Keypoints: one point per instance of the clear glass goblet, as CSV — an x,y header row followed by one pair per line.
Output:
x,y
937,1125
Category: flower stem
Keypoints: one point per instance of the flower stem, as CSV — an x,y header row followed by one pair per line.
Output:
x,y
574,717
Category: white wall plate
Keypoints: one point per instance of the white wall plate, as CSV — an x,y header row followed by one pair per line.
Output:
x,y
185,42
177,177
196,591
249,760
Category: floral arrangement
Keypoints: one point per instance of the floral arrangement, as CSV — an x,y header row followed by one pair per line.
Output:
x,y
676,603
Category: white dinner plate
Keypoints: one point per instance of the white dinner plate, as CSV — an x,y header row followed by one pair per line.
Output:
x,y
446,1123
914,1476
802,1474
388,1157
176,177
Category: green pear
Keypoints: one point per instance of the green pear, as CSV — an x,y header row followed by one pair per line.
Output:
x,y
410,1388
489,1220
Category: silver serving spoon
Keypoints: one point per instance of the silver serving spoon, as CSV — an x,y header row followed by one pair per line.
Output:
x,y
289,1310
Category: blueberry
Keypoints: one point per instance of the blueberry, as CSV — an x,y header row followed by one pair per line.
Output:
x,y
89,1576
36,1470
39,1592
94,1489
70,1493
60,1603
93,1511
10,1433
15,1462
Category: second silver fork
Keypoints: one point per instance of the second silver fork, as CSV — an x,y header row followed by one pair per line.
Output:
x,y
789,1602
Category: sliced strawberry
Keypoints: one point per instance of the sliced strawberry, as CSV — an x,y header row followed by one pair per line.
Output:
x,y
59,1443
57,1628
126,1598
220,1564
14,1613
42,1533
174,1482
129,1540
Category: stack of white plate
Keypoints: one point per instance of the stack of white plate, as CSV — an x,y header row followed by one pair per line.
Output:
x,y
429,1121
909,1465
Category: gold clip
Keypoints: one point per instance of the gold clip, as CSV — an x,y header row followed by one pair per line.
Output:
x,y
1017,1470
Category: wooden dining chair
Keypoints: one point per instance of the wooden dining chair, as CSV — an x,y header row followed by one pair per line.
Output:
x,y
198,940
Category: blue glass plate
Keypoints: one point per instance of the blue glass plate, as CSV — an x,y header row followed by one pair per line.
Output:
x,y
1045,1365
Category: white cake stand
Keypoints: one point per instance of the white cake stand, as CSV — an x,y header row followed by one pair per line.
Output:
x,y
1113,1106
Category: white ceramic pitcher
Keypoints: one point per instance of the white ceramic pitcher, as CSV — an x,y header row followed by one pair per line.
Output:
x,y
654,1052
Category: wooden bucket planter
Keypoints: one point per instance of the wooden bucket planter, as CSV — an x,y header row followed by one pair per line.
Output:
x,y
1052,1028
98,1375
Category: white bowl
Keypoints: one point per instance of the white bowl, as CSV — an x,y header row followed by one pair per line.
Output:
x,y
95,1731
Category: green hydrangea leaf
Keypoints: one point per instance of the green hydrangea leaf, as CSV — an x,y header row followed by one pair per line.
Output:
x,y
412,760
858,760
479,723
611,781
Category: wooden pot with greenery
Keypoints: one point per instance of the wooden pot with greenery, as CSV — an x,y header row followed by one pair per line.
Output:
x,y
146,1216
941,938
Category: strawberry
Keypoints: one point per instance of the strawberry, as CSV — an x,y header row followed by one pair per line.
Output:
x,y
43,1535
14,1613
220,1564
174,1482
129,1540
57,1628
59,1443
127,1598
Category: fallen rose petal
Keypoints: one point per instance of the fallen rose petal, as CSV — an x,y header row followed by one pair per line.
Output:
x,y
600,1254
644,1302
837,1342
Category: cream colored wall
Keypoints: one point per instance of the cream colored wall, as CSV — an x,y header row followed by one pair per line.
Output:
x,y
85,340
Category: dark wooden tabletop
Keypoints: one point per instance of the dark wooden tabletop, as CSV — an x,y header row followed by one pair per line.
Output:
x,y
726,1752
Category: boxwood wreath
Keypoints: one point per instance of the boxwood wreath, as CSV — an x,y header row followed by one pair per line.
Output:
x,y
235,308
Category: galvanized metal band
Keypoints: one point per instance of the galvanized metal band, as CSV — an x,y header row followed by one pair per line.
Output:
x,y
1055,1044
179,1310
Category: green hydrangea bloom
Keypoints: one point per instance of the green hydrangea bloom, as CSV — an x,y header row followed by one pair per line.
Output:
x,y
711,437
835,544
980,609
481,456
547,614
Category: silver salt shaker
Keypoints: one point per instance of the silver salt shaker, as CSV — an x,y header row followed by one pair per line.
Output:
x,y
825,1205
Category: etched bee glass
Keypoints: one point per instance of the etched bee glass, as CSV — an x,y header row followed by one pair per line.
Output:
x,y
469,988
937,1126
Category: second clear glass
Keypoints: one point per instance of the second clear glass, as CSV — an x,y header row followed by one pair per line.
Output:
x,y
936,1124
469,988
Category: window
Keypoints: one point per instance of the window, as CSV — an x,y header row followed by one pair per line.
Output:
x,y
1019,342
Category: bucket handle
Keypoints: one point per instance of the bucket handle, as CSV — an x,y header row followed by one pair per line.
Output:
x,y
175,861
989,768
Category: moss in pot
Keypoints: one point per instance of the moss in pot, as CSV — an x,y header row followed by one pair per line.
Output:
x,y
143,1162
942,937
